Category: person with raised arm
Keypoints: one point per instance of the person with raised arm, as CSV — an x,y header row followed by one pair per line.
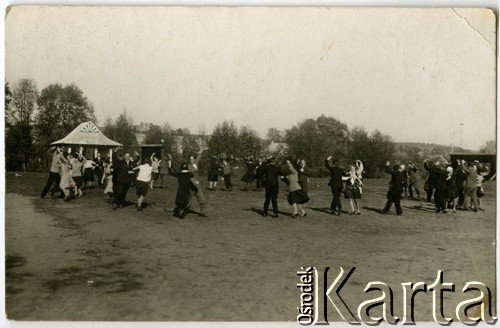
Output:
x,y
336,183
352,192
395,188
88,173
193,168
414,180
155,165
142,181
249,175
296,196
186,185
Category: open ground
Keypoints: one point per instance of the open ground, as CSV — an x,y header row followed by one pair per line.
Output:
x,y
81,260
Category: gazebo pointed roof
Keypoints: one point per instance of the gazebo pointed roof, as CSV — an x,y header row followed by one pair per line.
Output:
x,y
87,134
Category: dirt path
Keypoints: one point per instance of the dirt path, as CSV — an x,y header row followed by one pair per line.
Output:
x,y
83,261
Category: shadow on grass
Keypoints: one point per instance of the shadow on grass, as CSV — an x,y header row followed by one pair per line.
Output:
x,y
373,209
421,208
325,210
261,212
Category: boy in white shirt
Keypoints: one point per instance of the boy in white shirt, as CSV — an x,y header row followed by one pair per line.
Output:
x,y
142,181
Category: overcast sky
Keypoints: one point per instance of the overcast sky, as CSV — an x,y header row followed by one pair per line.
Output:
x,y
420,75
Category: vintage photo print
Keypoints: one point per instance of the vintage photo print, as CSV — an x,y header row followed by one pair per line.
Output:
x,y
308,165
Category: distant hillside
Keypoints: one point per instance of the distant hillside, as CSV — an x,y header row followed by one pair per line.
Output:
x,y
429,147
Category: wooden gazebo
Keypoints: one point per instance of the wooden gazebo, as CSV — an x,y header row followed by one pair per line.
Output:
x,y
87,135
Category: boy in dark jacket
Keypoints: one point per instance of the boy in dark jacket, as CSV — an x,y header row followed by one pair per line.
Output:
x,y
270,175
395,188
336,182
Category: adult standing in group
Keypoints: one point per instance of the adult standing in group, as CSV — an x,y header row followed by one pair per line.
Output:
x,y
404,174
54,173
336,183
414,179
430,184
395,188
155,167
193,168
460,178
249,175
213,172
123,176
258,173
270,176
163,171
470,188
99,169
440,199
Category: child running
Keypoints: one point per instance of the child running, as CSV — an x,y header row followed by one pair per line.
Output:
x,y
142,181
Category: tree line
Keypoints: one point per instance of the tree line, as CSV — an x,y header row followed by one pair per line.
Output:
x,y
35,119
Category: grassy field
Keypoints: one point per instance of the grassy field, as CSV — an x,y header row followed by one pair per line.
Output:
x,y
81,260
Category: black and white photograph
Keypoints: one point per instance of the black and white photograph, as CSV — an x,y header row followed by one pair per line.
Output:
x,y
307,165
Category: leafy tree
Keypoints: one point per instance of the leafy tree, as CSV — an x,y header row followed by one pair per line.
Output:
x,y
275,135
24,101
124,132
108,128
60,110
373,150
313,140
154,134
20,112
382,149
490,147
249,142
161,135
8,99
188,143
224,139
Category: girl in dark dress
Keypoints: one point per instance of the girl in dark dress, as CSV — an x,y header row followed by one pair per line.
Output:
x,y
186,184
213,173
296,196
249,174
